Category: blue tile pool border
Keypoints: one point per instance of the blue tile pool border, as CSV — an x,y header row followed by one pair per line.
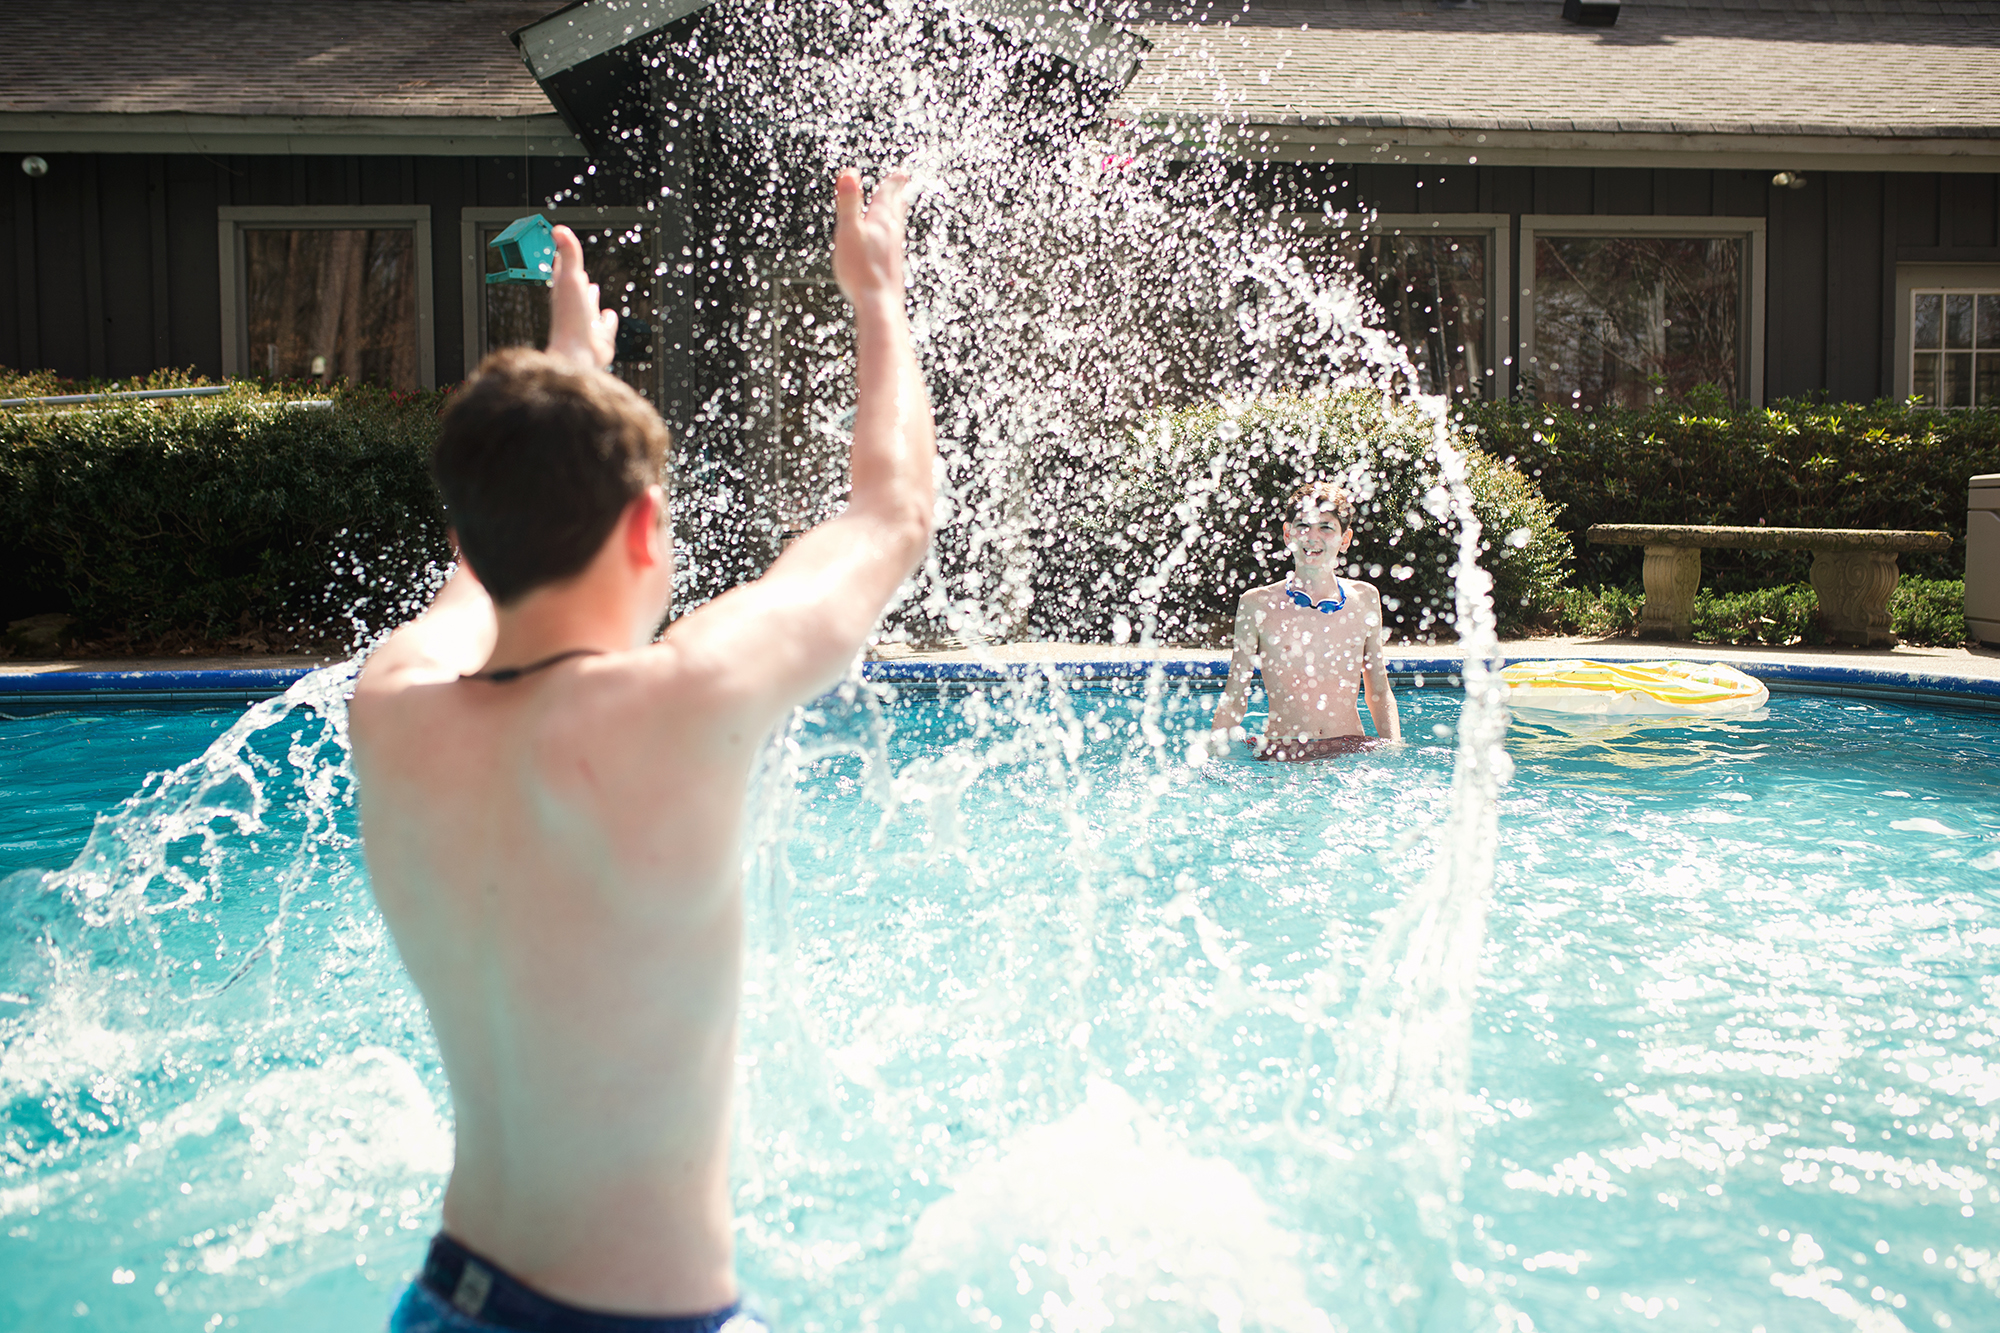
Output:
x,y
50,690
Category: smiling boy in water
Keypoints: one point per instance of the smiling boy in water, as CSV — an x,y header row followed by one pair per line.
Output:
x,y
550,806
1317,638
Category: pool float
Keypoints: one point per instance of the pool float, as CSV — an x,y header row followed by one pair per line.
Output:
x,y
1633,688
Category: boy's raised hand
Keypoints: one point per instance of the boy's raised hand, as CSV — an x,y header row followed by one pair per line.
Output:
x,y
868,245
578,330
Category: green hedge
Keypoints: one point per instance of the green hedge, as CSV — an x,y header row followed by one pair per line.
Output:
x,y
206,517
1793,464
1921,611
1227,470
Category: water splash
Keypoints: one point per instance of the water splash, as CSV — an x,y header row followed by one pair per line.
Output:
x,y
1067,284
209,1038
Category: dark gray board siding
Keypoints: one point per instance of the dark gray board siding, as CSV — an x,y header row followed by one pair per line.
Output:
x,y
1832,246
108,264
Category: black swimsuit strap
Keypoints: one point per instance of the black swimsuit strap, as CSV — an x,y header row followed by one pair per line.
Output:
x,y
501,675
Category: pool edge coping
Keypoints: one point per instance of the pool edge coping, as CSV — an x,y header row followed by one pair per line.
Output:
x,y
1912,684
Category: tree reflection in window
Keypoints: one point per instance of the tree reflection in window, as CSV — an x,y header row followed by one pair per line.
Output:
x,y
619,261
1621,321
1955,348
1432,290
799,333
332,304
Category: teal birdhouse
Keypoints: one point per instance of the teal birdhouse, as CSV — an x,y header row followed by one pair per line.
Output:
x,y
528,249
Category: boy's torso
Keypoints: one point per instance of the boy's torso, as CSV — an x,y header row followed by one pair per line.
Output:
x,y
557,859
1312,660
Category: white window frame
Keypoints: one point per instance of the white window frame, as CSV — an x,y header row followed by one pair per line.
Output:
x,y
1750,301
472,282
232,221
1496,227
1914,278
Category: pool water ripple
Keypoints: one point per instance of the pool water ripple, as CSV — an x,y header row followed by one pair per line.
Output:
x,y
1047,1027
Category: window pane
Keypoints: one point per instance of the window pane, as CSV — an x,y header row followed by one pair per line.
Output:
x,y
326,305
1986,379
517,315
1624,320
1927,320
1989,320
1432,290
1924,378
1958,320
1956,391
808,334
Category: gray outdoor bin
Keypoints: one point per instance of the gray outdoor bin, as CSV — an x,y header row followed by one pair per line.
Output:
x,y
1982,559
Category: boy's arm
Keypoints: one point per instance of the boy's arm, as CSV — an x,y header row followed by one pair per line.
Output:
x,y
1228,719
1375,675
793,632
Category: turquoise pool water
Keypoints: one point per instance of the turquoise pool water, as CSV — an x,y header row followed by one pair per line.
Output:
x,y
1047,1029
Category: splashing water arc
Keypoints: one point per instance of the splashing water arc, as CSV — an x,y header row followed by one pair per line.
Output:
x,y
209,1013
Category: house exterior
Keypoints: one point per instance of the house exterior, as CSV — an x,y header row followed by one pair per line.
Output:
x,y
194,148
1800,198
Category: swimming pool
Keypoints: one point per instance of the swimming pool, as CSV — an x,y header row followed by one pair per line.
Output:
x,y
1047,1029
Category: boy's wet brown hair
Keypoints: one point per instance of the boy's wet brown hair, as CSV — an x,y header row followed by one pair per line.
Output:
x,y
1321,495
536,459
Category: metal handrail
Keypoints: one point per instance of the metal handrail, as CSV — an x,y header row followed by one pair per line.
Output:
x,y
121,394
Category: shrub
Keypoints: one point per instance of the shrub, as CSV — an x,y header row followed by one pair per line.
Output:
x,y
1201,496
1786,615
1927,612
206,516
1598,613
1793,464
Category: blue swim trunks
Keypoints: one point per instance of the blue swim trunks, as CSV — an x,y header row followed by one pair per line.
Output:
x,y
460,1292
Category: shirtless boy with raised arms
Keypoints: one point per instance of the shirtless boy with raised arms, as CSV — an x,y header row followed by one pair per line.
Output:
x,y
550,805
1318,639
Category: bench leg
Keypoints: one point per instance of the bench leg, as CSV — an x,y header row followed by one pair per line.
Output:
x,y
1853,589
1672,575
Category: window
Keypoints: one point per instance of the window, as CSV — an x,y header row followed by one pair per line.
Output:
x,y
328,294
1620,312
799,342
618,253
1955,348
1440,281
1947,335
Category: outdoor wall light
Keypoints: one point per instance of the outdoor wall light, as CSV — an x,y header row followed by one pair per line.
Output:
x,y
1591,13
35,167
1789,180
527,249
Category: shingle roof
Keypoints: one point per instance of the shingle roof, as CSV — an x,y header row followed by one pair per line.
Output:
x,y
1898,68
430,58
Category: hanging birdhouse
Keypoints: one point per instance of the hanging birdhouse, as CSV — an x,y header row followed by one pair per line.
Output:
x,y
527,250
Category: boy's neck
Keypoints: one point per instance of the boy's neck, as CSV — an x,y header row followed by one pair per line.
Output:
x,y
1319,584
557,620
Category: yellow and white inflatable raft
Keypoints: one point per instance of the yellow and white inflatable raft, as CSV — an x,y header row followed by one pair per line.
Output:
x,y
1660,689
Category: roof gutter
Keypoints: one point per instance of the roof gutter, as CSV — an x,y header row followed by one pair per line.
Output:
x,y
176,132
1948,149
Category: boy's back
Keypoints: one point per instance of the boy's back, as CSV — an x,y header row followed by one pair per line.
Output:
x,y
551,807
557,860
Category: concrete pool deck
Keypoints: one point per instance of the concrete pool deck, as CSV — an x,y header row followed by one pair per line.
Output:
x,y
1965,676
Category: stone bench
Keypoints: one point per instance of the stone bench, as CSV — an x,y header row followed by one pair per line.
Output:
x,y
1853,571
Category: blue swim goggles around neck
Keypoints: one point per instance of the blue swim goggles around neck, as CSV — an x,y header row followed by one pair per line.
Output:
x,y
1298,596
